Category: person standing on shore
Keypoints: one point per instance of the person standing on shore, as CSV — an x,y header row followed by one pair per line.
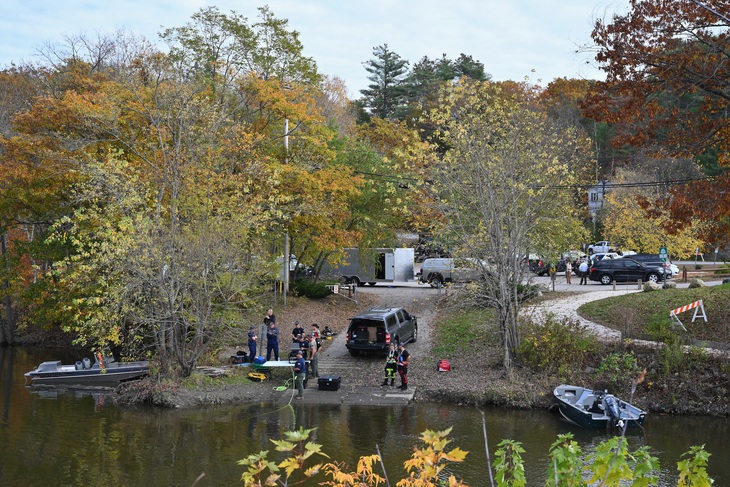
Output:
x,y
297,333
272,341
252,343
391,365
403,357
314,356
300,369
269,318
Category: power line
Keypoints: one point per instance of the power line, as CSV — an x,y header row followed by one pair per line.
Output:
x,y
605,185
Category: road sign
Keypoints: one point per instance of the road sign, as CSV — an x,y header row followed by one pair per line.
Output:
x,y
663,256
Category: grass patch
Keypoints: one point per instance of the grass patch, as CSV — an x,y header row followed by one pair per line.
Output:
x,y
646,314
462,329
199,381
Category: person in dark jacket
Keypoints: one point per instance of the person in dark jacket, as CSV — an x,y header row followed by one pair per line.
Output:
x,y
269,318
300,369
403,358
272,341
297,333
252,343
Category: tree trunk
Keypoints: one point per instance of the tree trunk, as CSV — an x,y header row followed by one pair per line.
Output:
x,y
7,323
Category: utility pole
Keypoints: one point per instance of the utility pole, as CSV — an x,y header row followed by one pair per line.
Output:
x,y
287,256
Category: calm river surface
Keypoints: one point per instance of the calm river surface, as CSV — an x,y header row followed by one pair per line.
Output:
x,y
76,438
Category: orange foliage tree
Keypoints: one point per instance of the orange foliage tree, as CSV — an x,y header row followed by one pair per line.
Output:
x,y
668,68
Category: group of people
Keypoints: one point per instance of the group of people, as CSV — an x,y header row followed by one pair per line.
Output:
x,y
397,361
309,345
582,272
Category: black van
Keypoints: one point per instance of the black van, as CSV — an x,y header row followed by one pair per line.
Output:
x,y
373,330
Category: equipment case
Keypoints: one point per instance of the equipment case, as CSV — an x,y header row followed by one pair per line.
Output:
x,y
329,382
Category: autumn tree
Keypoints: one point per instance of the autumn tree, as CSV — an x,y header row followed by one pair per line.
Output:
x,y
497,188
400,179
666,89
181,172
625,221
225,47
32,195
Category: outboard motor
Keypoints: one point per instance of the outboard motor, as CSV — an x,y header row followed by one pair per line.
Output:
x,y
611,406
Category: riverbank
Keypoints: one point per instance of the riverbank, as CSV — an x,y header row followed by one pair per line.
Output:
x,y
477,376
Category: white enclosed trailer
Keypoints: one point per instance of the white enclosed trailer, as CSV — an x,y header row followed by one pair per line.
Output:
x,y
372,266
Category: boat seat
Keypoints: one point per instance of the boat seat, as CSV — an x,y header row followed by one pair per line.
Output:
x,y
589,402
596,406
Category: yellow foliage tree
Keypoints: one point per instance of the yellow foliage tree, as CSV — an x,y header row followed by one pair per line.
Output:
x,y
627,225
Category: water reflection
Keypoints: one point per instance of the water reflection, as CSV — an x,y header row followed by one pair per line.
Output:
x,y
76,437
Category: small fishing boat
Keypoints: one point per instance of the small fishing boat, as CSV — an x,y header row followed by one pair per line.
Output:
x,y
596,409
104,372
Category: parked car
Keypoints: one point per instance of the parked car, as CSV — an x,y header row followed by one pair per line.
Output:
x,y
542,266
625,270
652,259
441,270
604,255
373,330
533,260
602,246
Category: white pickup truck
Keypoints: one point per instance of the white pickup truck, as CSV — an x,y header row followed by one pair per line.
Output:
x,y
602,246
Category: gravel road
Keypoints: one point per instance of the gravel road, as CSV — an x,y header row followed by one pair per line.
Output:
x,y
369,370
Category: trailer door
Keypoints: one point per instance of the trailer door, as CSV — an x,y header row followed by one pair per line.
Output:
x,y
389,266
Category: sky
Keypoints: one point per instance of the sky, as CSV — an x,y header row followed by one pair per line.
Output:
x,y
533,40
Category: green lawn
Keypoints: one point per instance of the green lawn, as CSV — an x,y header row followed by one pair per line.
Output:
x,y
646,314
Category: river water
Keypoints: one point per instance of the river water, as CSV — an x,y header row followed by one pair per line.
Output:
x,y
78,438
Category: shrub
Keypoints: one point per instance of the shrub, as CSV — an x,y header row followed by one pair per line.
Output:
x,y
526,292
310,289
617,368
611,465
556,346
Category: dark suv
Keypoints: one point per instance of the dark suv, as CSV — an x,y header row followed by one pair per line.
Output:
x,y
625,270
375,329
651,260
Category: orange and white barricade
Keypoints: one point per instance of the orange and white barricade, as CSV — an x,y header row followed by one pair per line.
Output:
x,y
699,312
